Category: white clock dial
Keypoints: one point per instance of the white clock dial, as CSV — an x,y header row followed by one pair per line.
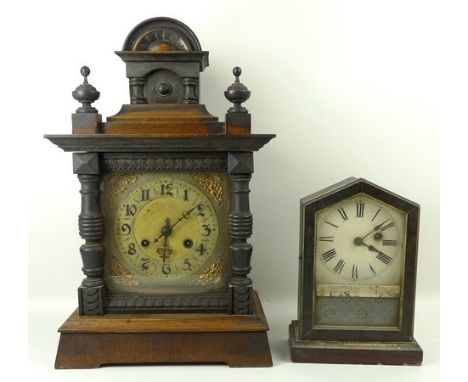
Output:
x,y
360,241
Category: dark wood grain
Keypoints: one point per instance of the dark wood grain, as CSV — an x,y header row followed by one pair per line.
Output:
x,y
322,199
162,120
86,123
364,353
238,123
91,227
148,143
239,341
146,323
237,349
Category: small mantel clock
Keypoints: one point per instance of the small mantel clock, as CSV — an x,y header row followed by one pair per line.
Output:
x,y
165,216
357,277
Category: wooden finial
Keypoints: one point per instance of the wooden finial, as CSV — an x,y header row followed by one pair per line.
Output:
x,y
237,71
237,93
85,73
86,94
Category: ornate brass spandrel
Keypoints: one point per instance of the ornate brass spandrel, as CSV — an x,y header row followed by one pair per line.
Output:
x,y
211,276
116,268
212,184
119,273
125,280
118,183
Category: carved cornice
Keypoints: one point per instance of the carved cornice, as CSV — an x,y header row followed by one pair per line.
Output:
x,y
164,164
117,143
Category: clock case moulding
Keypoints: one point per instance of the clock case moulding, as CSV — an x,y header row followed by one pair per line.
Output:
x,y
374,346
164,128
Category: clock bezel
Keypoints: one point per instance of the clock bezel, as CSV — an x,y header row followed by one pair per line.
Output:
x,y
163,163
116,196
323,199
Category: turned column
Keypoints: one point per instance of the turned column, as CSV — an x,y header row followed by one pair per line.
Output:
x,y
137,86
240,168
190,89
91,227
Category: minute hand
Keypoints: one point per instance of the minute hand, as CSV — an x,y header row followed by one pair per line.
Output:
x,y
376,228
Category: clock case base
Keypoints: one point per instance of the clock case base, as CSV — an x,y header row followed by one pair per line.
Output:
x,y
118,339
352,352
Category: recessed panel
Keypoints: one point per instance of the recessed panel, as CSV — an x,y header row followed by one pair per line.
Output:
x,y
362,312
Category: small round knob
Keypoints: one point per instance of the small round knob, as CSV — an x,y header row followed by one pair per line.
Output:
x,y
86,94
237,93
85,72
237,71
164,89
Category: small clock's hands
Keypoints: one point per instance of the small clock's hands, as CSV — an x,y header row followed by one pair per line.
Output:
x,y
359,241
376,228
167,229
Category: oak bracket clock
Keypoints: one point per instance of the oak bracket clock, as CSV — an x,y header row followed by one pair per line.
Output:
x,y
165,216
357,277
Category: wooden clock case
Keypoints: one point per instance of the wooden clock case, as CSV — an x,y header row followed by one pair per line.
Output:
x,y
375,346
164,128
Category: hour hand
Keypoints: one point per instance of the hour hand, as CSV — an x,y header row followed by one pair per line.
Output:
x,y
360,241
165,231
381,256
372,248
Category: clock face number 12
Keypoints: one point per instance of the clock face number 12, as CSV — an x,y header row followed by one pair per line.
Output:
x,y
359,239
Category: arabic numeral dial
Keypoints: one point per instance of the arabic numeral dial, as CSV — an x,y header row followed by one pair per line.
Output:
x,y
166,227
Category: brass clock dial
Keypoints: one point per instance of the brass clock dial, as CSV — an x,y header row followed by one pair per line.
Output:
x,y
166,232
166,228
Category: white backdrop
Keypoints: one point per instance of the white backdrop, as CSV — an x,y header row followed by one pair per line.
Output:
x,y
348,87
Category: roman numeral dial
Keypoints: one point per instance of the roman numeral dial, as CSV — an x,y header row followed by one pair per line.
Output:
x,y
359,240
327,256
339,266
360,209
342,213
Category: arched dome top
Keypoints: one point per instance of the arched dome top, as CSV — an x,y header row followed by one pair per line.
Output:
x,y
161,34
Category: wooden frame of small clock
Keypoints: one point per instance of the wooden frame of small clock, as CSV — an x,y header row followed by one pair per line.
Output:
x,y
311,343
